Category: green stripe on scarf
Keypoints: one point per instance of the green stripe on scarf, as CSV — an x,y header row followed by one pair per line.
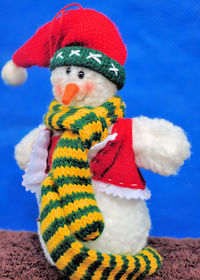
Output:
x,y
69,210
69,171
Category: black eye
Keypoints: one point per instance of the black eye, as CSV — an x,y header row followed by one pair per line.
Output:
x,y
81,74
68,70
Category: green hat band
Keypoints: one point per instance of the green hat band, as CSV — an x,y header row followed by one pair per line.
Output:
x,y
92,59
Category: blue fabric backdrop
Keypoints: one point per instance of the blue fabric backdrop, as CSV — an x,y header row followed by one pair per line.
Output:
x,y
163,80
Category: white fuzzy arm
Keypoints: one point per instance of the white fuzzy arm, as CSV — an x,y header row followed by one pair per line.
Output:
x,y
24,147
159,145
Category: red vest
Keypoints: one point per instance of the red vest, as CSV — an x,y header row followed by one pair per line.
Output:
x,y
115,163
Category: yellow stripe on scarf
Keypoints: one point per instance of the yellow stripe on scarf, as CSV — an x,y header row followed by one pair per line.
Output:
x,y
69,210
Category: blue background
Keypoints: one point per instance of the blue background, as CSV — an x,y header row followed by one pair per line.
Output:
x,y
163,80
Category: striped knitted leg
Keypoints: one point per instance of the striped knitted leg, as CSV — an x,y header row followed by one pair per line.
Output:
x,y
71,173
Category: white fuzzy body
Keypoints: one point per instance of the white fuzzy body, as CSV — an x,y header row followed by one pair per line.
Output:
x,y
127,225
127,222
158,145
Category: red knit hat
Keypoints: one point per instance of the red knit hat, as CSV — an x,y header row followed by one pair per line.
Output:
x,y
84,27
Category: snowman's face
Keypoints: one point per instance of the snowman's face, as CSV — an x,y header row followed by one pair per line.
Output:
x,y
79,86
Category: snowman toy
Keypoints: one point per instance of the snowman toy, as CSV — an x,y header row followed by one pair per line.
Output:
x,y
83,161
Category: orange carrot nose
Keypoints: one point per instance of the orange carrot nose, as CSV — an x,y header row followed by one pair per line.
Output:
x,y
70,91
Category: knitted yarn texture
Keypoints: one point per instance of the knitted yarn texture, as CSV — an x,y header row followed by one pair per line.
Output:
x,y
87,27
69,210
83,127
92,59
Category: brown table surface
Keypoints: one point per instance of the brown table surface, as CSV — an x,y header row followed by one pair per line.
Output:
x,y
21,257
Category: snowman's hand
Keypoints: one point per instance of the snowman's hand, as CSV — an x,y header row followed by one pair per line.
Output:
x,y
24,148
159,145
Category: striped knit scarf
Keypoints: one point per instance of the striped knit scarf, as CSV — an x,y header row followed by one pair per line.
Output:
x,y
69,211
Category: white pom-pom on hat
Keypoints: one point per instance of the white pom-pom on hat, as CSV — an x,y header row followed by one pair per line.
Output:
x,y
13,75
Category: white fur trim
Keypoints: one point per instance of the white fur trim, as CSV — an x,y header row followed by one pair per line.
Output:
x,y
13,75
159,145
35,171
121,192
97,147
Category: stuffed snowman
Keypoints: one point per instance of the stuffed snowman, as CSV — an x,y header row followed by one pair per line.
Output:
x,y
83,161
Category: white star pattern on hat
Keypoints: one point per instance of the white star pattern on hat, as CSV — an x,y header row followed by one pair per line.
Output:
x,y
59,55
114,69
76,52
94,56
